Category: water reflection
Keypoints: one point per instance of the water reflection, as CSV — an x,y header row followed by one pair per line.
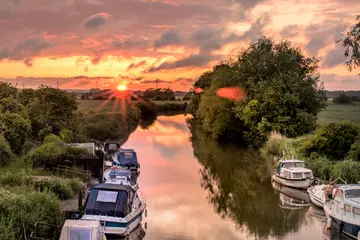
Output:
x,y
220,193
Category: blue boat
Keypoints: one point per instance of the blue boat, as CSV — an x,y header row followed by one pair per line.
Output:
x,y
126,158
342,208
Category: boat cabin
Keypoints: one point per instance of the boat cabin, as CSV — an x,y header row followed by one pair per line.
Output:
x,y
111,200
110,146
85,230
126,158
293,169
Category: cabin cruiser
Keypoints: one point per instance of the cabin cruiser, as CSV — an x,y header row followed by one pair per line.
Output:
x,y
84,230
119,175
126,158
342,208
292,173
119,208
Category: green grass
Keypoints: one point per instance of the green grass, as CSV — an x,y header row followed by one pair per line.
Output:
x,y
111,105
340,112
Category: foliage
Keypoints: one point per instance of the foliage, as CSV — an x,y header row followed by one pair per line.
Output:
x,y
354,153
47,152
348,170
51,107
10,105
5,151
332,140
67,135
159,94
26,96
20,212
342,99
351,42
7,90
282,94
15,130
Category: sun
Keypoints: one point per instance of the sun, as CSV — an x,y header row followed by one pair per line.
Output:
x,y
122,87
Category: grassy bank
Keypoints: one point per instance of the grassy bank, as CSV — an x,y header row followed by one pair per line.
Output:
x,y
332,151
339,112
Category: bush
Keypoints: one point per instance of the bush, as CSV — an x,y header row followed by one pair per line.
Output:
x,y
67,135
47,152
348,170
354,153
342,99
15,179
5,151
20,212
333,140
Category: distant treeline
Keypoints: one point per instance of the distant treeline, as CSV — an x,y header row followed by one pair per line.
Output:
x,y
335,94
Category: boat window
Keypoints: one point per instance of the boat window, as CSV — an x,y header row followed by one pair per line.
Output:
x,y
347,208
297,175
352,193
112,146
80,233
294,164
118,173
356,210
287,174
107,202
128,155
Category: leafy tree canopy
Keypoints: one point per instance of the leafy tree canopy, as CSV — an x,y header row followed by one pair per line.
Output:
x,y
282,89
342,99
351,42
7,90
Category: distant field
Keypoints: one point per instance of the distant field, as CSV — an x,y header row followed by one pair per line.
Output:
x,y
340,112
110,106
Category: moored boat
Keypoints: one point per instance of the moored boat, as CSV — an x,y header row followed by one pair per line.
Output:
x,y
342,208
119,208
294,193
84,230
119,175
292,173
317,195
126,158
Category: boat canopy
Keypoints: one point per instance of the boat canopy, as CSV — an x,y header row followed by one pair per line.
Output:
x,y
109,200
126,156
84,229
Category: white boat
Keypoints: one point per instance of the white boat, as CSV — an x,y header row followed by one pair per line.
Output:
x,y
301,195
84,230
292,173
317,194
119,208
119,175
342,208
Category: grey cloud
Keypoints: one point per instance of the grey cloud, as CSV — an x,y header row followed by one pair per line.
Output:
x,y
136,65
191,61
25,49
290,31
82,83
96,20
334,57
256,29
321,35
153,81
185,81
170,37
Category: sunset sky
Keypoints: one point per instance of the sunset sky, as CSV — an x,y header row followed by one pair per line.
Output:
x,y
83,43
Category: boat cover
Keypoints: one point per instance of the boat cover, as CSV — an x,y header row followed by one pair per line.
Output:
x,y
81,230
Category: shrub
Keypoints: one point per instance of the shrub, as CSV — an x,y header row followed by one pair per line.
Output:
x,y
20,212
348,170
333,140
5,151
342,99
66,135
49,151
15,179
354,153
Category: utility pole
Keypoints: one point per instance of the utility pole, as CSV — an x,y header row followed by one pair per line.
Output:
x,y
23,84
157,81
57,83
97,83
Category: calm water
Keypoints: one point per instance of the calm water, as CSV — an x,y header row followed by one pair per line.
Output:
x,y
196,189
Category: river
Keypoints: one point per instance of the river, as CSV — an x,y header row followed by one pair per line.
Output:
x,y
197,189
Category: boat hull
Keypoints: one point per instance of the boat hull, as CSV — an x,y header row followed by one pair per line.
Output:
x,y
294,183
316,200
349,229
115,227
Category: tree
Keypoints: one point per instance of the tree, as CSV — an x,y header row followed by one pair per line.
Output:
x,y
5,151
7,90
26,96
16,130
12,106
342,99
282,89
51,107
351,42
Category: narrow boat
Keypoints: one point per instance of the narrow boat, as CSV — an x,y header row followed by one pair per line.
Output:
x,y
119,175
317,194
126,158
119,208
342,208
292,173
84,230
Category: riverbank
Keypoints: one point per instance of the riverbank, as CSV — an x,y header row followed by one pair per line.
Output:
x,y
332,151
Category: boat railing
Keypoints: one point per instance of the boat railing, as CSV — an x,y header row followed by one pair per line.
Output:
x,y
141,196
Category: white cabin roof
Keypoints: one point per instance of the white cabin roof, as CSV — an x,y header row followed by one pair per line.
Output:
x,y
292,161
